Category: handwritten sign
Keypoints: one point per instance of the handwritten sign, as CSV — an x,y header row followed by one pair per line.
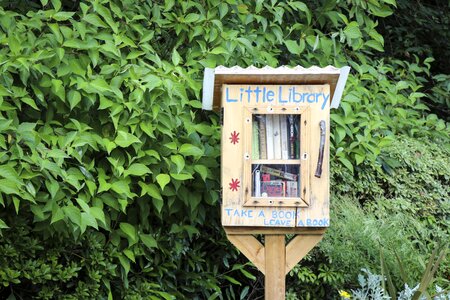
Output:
x,y
274,217
277,95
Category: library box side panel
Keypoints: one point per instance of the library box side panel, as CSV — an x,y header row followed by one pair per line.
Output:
x,y
318,212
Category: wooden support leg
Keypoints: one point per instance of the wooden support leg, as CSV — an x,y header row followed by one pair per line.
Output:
x,y
250,247
298,247
275,276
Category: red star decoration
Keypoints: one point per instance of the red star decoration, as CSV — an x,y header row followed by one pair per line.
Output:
x,y
234,137
234,184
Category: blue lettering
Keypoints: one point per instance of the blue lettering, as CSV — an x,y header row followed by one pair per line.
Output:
x,y
228,210
325,100
294,96
280,93
270,95
257,91
227,96
312,98
249,93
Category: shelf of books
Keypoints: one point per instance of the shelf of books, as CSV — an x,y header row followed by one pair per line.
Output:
x,y
275,160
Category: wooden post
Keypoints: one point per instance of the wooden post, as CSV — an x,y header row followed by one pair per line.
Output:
x,y
275,261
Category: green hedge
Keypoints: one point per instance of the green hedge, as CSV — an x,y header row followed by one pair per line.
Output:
x,y
109,169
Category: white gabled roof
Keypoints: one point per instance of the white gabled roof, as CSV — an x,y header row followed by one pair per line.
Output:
x,y
214,79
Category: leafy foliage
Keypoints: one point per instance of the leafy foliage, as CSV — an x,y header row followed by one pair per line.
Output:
x,y
108,168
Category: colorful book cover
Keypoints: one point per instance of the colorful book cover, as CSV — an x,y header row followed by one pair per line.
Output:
x,y
273,188
269,137
278,173
262,136
276,137
255,140
291,137
292,189
284,137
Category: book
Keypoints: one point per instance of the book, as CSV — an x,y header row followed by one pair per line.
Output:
x,y
278,173
255,140
274,188
269,137
276,136
291,137
257,183
297,138
265,177
292,189
261,119
284,137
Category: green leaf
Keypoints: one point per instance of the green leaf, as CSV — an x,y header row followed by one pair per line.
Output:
x,y
150,189
62,15
129,231
73,213
202,170
181,176
293,46
30,102
88,220
74,97
4,226
8,186
163,180
128,253
190,18
98,214
56,4
176,58
95,20
188,149
148,240
158,203
121,187
352,30
125,263
137,169
83,205
375,45
346,163
57,215
125,139
178,160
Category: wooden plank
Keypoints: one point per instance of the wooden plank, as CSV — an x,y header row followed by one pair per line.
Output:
x,y
275,261
251,248
298,247
317,214
230,230
236,165
302,79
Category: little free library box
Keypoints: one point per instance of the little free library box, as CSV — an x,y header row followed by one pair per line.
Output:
x,y
275,160
275,143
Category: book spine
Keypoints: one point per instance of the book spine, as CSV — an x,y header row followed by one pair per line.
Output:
x,y
278,173
276,137
297,138
291,137
269,136
262,137
257,183
291,189
255,140
284,137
